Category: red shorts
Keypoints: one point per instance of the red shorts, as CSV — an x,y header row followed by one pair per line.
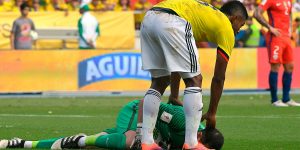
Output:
x,y
279,49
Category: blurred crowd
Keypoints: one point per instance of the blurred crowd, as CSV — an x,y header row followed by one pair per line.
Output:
x,y
73,5
109,5
251,35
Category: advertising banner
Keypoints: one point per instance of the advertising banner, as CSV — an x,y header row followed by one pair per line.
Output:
x,y
263,68
110,70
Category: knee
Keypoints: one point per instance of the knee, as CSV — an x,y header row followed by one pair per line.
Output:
x,y
289,67
160,84
275,67
195,81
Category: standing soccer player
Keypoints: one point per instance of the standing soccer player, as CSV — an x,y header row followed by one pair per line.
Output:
x,y
168,34
279,46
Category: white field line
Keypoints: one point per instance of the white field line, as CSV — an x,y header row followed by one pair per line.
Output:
x,y
50,116
262,116
107,116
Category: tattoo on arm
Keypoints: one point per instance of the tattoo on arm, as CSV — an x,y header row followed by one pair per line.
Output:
x,y
258,15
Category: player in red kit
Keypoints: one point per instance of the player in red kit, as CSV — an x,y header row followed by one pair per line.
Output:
x,y
279,46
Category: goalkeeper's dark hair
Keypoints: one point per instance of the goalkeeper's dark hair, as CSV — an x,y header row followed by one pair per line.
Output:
x,y
23,6
212,138
235,8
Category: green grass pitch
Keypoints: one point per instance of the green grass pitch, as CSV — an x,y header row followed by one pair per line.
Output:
x,y
248,122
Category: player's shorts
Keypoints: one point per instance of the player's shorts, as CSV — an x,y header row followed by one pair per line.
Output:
x,y
279,49
168,45
127,118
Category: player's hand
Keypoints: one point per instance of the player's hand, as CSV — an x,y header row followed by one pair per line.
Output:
x,y
175,101
210,120
275,31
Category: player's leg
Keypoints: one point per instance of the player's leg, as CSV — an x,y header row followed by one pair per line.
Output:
x,y
20,143
192,99
182,56
287,75
273,82
152,99
287,81
112,140
192,104
120,137
275,49
154,60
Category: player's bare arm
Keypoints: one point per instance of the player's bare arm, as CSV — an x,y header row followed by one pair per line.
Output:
x,y
216,90
258,15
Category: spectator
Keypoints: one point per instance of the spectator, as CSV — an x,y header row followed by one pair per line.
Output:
x,y
250,5
16,6
123,5
251,35
216,3
295,32
296,6
108,5
56,5
88,28
36,5
22,29
101,5
96,5
4,6
142,5
73,5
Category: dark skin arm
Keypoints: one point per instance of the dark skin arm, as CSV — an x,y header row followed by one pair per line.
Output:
x,y
216,91
258,15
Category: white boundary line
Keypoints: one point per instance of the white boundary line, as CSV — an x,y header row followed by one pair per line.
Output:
x,y
49,116
107,116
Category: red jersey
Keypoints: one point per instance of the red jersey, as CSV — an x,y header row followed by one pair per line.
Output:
x,y
279,12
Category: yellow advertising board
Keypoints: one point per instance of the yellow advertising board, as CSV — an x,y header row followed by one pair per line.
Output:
x,y
111,70
117,28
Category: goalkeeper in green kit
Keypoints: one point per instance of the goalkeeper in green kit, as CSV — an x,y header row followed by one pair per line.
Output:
x,y
169,131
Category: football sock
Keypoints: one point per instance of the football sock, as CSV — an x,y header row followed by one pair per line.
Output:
x,y
286,86
273,80
41,144
111,141
139,130
150,112
192,104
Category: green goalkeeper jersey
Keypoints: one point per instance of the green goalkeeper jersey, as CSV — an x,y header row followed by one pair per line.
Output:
x,y
170,122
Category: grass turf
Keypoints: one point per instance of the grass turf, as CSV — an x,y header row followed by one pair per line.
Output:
x,y
247,122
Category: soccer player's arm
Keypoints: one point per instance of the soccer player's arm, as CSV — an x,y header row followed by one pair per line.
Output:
x,y
225,41
258,15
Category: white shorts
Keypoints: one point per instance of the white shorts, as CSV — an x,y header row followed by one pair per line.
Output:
x,y
168,45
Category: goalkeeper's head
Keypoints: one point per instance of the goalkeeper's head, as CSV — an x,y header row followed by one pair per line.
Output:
x,y
211,138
